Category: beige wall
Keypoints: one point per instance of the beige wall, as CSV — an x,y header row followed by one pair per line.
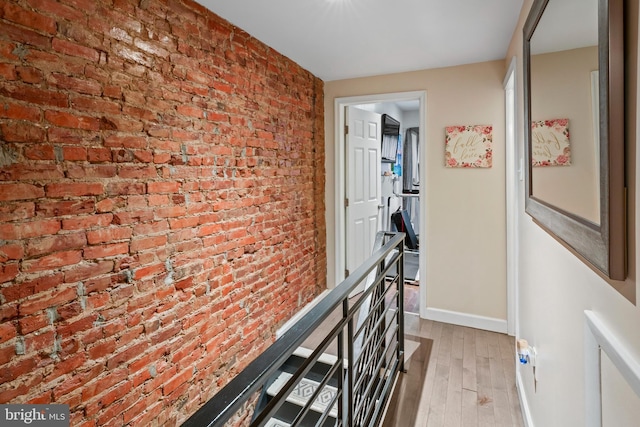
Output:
x,y
464,242
561,84
555,288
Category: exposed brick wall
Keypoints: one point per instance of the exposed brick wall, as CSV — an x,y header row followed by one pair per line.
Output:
x,y
161,204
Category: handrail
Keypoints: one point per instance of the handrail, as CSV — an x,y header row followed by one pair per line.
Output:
x,y
231,398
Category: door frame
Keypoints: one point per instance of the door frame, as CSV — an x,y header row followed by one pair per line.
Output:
x,y
513,177
340,179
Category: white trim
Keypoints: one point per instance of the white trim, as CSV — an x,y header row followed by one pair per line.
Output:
x,y
512,185
289,323
465,319
599,337
524,404
339,190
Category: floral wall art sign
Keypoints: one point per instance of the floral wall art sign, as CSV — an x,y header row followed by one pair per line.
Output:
x,y
468,146
550,143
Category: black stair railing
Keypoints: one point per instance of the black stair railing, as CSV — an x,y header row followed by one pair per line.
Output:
x,y
364,334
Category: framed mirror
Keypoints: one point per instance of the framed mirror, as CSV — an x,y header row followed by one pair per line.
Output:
x,y
574,127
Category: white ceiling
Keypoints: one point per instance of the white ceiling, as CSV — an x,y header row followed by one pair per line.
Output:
x,y
339,39
565,25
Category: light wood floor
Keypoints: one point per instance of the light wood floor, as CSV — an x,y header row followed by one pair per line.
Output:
x,y
470,378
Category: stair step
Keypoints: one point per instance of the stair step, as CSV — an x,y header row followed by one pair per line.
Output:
x,y
303,391
305,353
325,358
276,423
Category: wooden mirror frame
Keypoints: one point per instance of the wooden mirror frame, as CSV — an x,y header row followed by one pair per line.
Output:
x,y
603,245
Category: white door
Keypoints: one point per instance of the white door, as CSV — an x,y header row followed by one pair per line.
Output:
x,y
363,184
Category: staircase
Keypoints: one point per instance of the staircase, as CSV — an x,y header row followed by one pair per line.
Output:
x,y
289,386
322,410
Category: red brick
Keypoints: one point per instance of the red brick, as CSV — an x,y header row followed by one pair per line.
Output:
x,y
26,230
152,48
171,212
104,382
118,326
74,153
7,352
70,310
8,311
58,9
117,96
85,271
125,218
67,120
23,35
76,381
74,189
20,192
29,19
149,270
32,287
179,223
40,152
49,262
176,381
83,325
8,72
20,112
14,370
74,49
81,223
140,244
34,172
8,395
22,132
11,252
7,332
35,95
33,323
190,111
102,349
91,104
16,211
126,355
49,244
40,342
67,366
65,207
125,188
74,84
98,301
29,74
8,272
98,155
103,251
108,235
91,171
137,172
125,141
146,229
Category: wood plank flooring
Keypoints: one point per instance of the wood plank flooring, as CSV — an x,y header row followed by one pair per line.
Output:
x,y
470,378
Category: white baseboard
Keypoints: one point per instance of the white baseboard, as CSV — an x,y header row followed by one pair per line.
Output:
x,y
284,328
469,320
524,404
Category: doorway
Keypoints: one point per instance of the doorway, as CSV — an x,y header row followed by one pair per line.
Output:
x,y
513,179
403,100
